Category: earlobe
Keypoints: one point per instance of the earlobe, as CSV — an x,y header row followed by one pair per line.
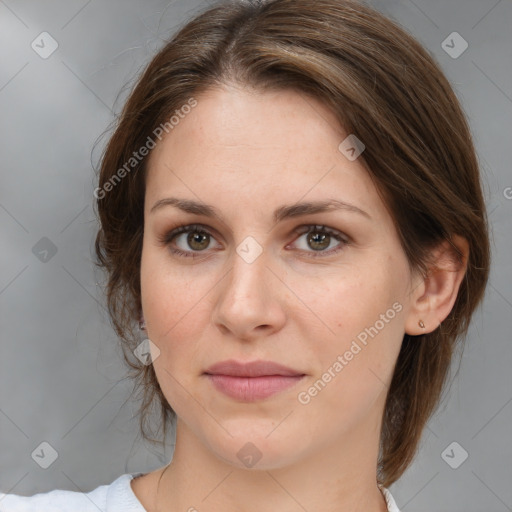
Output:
x,y
433,298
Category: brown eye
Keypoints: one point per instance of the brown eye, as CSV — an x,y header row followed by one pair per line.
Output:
x,y
319,238
197,241
319,241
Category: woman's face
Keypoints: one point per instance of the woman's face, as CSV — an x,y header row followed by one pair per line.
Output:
x,y
329,305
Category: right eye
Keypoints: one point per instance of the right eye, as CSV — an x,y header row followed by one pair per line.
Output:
x,y
197,238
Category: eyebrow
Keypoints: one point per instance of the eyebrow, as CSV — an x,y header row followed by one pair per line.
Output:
x,y
283,212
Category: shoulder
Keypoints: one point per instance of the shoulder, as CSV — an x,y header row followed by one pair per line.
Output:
x,y
114,497
390,501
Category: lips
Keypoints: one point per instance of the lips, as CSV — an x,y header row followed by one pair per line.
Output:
x,y
251,369
255,380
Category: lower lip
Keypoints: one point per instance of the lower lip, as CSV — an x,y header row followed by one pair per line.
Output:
x,y
249,389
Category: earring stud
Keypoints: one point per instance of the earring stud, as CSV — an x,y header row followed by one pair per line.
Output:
x,y
421,324
142,324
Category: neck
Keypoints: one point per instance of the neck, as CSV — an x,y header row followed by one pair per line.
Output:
x,y
333,479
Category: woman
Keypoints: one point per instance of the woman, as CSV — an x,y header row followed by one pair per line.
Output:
x,y
291,206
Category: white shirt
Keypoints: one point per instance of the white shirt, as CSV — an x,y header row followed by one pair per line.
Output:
x,y
115,497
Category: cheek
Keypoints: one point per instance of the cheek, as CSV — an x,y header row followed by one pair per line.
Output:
x,y
343,302
355,364
175,309
173,306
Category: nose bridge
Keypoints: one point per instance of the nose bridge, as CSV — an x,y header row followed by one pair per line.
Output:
x,y
245,300
249,269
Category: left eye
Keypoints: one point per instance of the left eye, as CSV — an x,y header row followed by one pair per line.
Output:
x,y
319,238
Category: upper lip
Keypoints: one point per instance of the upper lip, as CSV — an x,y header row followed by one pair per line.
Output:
x,y
251,369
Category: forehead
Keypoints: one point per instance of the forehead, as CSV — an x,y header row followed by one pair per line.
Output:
x,y
244,148
239,120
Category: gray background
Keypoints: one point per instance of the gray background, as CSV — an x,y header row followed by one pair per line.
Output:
x,y
61,371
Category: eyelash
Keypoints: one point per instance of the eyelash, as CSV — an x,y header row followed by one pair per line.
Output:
x,y
168,237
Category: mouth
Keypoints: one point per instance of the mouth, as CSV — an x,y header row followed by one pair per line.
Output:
x,y
255,380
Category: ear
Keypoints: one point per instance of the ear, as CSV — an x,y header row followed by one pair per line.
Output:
x,y
433,296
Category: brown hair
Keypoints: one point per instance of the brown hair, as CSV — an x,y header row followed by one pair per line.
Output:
x,y
385,88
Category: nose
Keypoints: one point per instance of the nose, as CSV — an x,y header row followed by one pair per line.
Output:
x,y
249,300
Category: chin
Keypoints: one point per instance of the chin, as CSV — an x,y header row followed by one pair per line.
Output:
x,y
254,449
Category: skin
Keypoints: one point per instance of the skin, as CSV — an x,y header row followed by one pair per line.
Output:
x,y
247,153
